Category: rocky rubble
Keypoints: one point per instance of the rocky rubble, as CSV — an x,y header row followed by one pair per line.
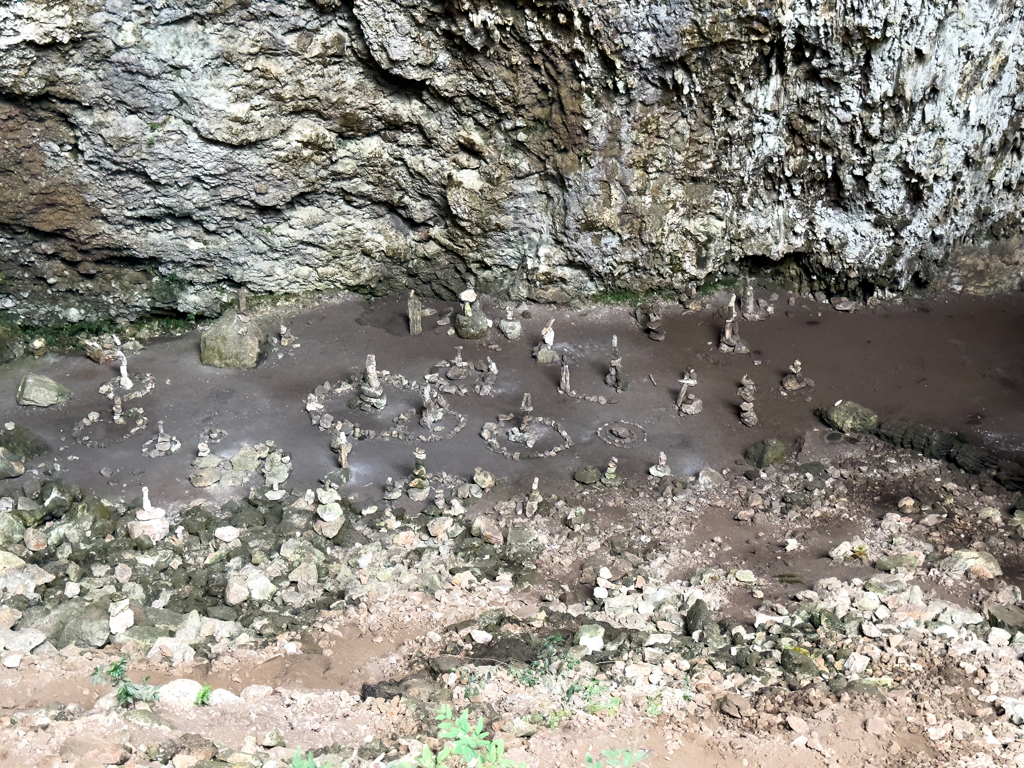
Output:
x,y
916,600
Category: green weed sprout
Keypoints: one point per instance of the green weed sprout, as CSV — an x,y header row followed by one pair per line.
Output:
x,y
127,692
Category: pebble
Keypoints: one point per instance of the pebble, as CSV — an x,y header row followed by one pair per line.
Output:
x,y
13,661
35,540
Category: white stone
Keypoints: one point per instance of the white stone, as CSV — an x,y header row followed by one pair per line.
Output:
x,y
172,649
157,529
236,592
998,637
221,696
120,622
856,663
481,637
259,586
227,534
180,694
13,661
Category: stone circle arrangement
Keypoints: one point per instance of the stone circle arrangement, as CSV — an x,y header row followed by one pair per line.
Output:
x,y
622,434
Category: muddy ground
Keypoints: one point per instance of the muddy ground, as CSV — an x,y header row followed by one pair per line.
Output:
x,y
355,663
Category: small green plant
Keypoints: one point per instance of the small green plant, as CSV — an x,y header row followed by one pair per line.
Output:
x,y
617,758
610,707
466,746
203,697
303,760
127,692
653,705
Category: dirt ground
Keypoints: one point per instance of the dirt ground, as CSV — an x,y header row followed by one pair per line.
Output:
x,y
914,670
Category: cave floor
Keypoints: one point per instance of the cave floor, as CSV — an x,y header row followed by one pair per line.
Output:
x,y
954,362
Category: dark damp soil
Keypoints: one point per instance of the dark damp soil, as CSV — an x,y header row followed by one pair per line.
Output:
x,y
955,362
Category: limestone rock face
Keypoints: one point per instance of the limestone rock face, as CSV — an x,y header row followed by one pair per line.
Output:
x,y
165,154
232,342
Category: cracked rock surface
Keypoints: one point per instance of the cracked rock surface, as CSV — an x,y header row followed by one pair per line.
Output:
x,y
157,156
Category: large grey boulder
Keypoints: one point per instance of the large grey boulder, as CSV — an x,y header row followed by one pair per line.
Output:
x,y
41,391
87,627
848,417
233,341
23,442
767,453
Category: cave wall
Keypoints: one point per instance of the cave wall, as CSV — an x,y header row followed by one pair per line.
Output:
x,y
157,155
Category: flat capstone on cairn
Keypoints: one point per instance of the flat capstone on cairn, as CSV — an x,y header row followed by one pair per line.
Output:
x,y
794,381
545,351
471,323
731,341
746,394
686,402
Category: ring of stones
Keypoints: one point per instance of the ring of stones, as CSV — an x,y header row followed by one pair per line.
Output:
x,y
402,431
622,434
491,430
134,418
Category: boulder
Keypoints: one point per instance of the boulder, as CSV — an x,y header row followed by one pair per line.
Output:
x,y
180,694
10,464
23,442
847,416
971,564
233,341
699,619
11,345
41,391
767,453
11,529
86,628
588,475
799,663
1008,617
472,327
487,529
